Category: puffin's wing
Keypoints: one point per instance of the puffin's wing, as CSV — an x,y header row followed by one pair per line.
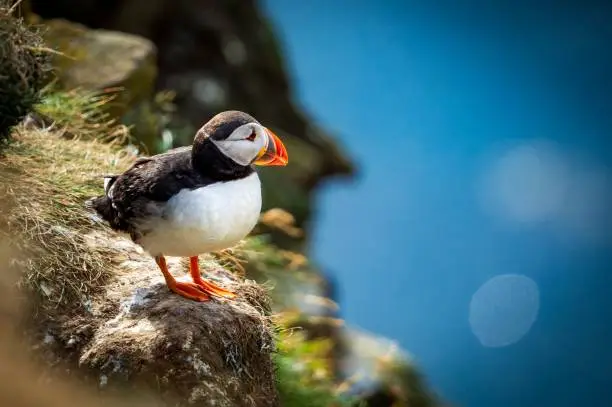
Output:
x,y
157,178
109,180
141,192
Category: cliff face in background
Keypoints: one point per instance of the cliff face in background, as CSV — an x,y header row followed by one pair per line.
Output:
x,y
218,55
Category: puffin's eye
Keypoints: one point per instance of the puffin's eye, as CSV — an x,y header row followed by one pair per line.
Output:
x,y
252,136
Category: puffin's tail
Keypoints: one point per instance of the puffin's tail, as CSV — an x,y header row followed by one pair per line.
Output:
x,y
103,205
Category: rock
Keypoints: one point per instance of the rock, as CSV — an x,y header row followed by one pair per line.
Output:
x,y
216,353
281,220
111,62
280,226
138,333
103,60
206,354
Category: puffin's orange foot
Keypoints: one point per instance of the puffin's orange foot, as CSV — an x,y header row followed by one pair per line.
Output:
x,y
206,286
213,289
189,290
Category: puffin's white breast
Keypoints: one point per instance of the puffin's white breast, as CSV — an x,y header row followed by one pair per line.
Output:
x,y
206,219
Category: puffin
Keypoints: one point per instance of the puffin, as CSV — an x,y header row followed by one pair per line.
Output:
x,y
196,199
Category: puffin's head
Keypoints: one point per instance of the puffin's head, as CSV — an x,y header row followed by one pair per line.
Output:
x,y
243,139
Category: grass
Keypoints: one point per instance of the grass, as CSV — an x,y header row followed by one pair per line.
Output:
x,y
80,112
304,377
48,174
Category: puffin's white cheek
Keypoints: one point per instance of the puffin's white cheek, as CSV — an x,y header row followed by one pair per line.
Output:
x,y
242,152
245,155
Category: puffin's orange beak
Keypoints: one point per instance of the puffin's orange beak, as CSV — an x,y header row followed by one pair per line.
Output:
x,y
274,153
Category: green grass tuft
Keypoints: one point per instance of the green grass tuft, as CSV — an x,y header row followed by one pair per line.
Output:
x,y
303,374
81,113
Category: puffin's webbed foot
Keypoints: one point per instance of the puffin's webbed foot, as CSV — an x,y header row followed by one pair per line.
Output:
x,y
206,286
188,290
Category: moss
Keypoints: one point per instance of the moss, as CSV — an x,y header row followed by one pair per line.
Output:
x,y
313,341
406,385
304,365
23,67
304,378
290,274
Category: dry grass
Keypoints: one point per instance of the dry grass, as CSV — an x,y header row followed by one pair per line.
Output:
x,y
46,181
232,259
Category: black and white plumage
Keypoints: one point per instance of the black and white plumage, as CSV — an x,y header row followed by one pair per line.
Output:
x,y
193,200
